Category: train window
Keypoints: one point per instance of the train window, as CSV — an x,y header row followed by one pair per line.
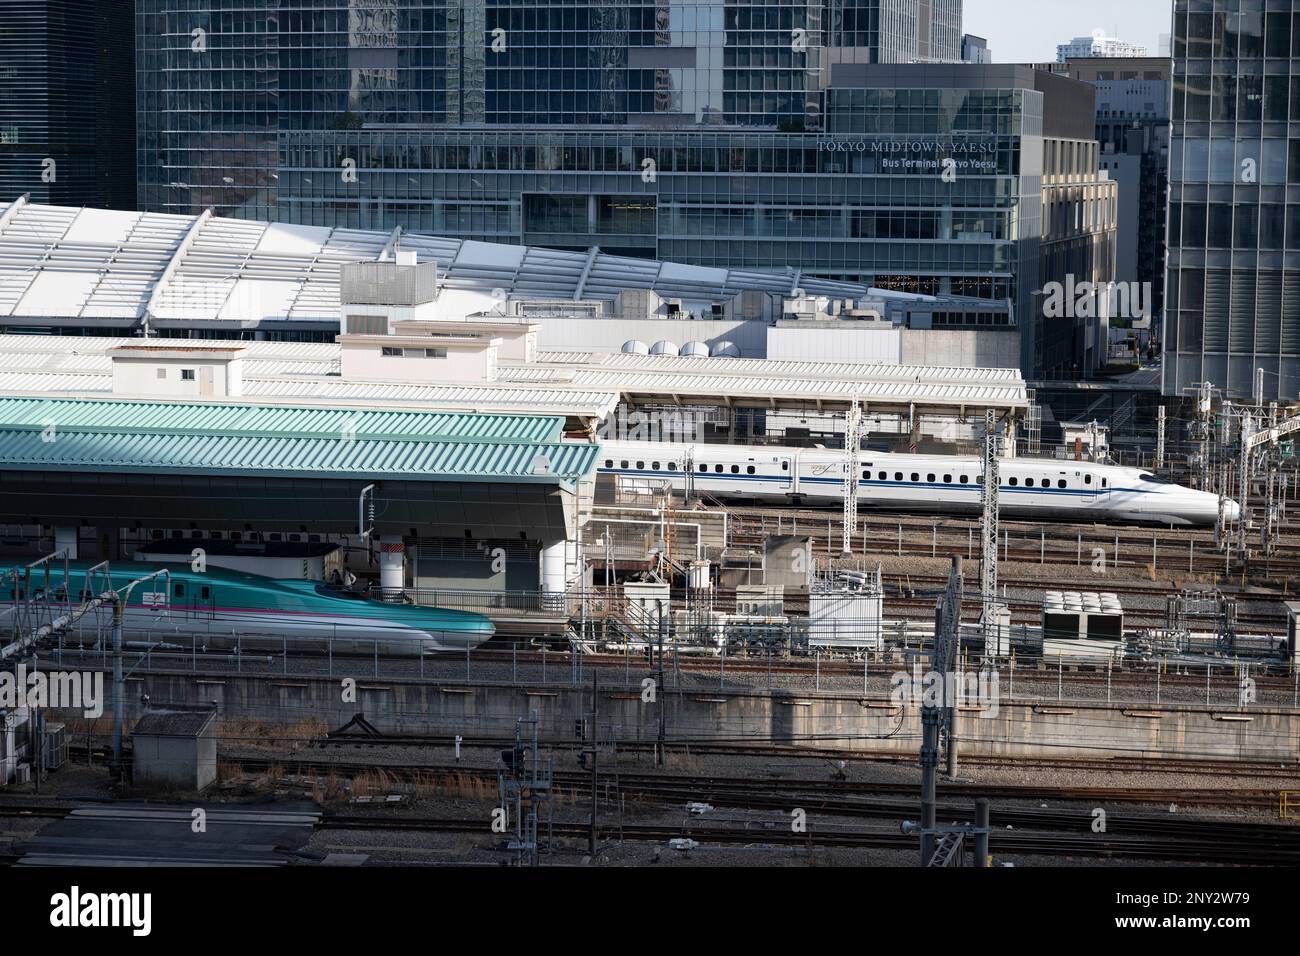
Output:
x,y
1061,483
947,479
655,466
205,593
1014,482
916,477
1029,482
717,469
866,476
749,470
1087,479
703,468
735,469
965,479
640,466
622,464
609,462
1105,482
883,476
672,466
785,466
930,478
179,590
898,476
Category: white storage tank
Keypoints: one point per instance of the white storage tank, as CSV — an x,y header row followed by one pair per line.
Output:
x,y
695,350
636,347
726,350
664,347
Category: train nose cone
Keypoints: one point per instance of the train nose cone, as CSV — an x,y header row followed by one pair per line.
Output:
x,y
1231,510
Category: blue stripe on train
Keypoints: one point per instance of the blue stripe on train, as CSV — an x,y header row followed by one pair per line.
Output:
x,y
879,484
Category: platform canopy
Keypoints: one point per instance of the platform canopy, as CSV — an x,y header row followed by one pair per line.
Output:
x,y
198,464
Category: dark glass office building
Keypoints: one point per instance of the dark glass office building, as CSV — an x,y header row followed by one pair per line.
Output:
x,y
1233,281
766,133
67,102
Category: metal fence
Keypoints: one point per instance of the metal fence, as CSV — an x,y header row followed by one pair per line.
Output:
x,y
876,674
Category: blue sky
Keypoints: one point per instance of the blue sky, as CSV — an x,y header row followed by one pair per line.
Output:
x,y
1027,31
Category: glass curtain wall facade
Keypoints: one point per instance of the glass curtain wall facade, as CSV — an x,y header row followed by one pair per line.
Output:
x,y
67,118
1233,282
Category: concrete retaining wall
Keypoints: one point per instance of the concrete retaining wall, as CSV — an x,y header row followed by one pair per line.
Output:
x,y
830,721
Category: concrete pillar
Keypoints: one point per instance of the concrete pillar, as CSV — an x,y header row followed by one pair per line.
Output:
x,y
392,568
553,574
65,537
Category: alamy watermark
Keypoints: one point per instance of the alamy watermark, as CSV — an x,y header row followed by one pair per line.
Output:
x,y
672,425
1097,300
53,690
979,688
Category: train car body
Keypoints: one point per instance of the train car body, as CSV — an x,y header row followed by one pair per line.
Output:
x,y
936,484
220,607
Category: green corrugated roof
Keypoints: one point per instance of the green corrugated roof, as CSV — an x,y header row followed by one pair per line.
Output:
x,y
278,457
115,417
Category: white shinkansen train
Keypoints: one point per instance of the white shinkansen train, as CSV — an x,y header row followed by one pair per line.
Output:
x,y
940,484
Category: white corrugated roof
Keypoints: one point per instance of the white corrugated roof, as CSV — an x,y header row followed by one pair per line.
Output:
x,y
839,371
61,262
82,363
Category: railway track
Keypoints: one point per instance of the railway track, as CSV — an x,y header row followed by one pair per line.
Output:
x,y
1060,544
774,793
715,747
1208,847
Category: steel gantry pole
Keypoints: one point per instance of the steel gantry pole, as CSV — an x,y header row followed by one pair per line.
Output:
x,y
989,532
1245,433
852,465
1160,439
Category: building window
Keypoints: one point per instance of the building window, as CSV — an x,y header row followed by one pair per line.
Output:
x,y
435,353
162,373
187,375
389,352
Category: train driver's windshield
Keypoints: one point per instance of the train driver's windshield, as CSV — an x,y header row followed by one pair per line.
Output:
x,y
1152,479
